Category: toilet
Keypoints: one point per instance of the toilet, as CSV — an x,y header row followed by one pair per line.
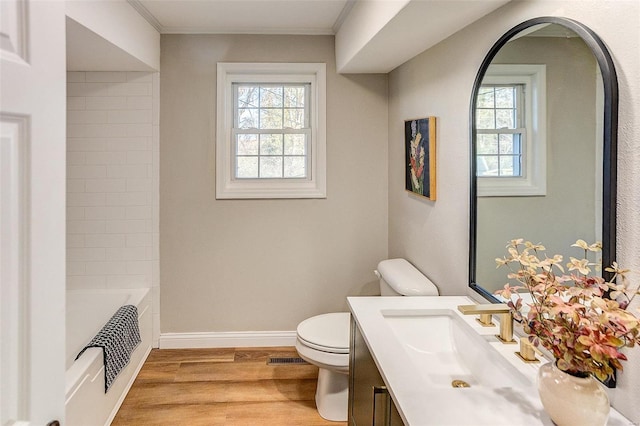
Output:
x,y
323,340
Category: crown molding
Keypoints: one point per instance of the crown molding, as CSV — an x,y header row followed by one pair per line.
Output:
x,y
343,15
252,31
148,16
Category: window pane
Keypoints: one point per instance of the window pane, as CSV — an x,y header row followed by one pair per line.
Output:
x,y
271,144
248,118
247,144
497,107
506,144
271,119
485,97
487,165
294,96
505,119
506,166
487,144
270,97
510,144
295,167
295,145
294,118
279,108
270,167
485,119
248,96
505,97
246,167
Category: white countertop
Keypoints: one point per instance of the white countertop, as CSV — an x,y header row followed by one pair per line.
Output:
x,y
419,404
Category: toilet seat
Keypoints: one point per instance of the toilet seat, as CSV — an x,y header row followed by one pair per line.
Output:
x,y
323,341
326,332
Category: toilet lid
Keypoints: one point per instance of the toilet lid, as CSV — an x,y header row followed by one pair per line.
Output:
x,y
328,332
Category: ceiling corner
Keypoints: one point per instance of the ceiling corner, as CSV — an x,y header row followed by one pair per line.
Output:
x,y
148,16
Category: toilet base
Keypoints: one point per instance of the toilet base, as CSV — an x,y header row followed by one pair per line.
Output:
x,y
332,395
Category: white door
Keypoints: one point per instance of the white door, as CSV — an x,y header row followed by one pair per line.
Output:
x,y
32,211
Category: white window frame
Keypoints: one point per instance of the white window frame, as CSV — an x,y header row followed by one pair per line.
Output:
x,y
227,186
533,181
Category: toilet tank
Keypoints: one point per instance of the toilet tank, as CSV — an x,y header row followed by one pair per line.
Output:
x,y
400,278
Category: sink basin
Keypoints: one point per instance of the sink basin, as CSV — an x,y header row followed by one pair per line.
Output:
x,y
421,345
447,352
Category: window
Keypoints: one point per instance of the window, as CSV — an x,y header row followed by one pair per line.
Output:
x,y
510,131
500,130
271,131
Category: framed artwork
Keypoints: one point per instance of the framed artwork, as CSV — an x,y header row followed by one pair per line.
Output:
x,y
420,156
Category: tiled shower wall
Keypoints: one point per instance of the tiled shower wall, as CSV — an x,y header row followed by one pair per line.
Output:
x,y
112,181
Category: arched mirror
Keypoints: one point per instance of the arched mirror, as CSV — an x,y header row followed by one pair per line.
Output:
x,y
543,146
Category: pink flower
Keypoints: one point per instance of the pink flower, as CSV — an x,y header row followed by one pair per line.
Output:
x,y
569,314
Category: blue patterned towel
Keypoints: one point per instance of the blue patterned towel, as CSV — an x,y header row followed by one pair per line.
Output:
x,y
118,338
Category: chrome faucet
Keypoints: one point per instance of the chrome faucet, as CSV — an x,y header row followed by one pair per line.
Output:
x,y
486,311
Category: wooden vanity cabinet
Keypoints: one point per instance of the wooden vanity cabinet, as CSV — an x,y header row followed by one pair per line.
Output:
x,y
369,401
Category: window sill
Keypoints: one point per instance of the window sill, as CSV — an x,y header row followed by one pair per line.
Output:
x,y
257,190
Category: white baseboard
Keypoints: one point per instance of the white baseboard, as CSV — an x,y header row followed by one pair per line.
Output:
x,y
230,339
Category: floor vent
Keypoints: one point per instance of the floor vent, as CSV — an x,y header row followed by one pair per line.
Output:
x,y
285,360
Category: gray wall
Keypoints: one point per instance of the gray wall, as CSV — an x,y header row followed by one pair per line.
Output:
x,y
434,235
253,265
571,161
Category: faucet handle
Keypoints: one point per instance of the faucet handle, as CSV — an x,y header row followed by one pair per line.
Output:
x,y
485,311
486,308
527,352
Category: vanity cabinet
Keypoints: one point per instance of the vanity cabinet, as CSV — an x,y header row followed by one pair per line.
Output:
x,y
369,401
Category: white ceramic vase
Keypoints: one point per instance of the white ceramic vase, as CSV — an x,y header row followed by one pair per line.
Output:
x,y
571,400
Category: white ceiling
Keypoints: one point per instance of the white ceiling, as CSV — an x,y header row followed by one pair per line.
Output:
x,y
417,26
243,16
373,36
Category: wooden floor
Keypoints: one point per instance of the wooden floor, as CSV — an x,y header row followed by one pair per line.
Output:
x,y
222,387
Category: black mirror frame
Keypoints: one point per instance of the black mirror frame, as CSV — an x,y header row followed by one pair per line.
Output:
x,y
610,140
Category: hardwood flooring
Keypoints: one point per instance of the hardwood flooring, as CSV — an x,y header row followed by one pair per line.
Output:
x,y
231,387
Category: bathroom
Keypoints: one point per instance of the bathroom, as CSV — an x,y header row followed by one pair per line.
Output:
x,y
250,270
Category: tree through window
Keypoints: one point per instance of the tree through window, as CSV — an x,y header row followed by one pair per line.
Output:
x,y
500,130
271,130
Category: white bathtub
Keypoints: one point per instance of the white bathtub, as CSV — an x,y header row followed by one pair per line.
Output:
x,y
87,312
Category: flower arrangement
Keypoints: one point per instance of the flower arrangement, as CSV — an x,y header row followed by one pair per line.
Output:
x,y
416,159
580,318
